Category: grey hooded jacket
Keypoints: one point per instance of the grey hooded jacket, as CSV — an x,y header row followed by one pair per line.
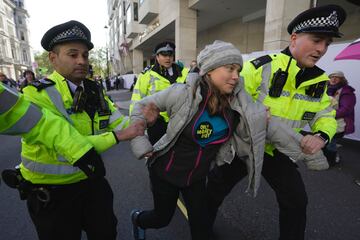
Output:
x,y
248,139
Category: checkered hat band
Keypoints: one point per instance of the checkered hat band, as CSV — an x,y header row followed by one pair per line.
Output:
x,y
72,32
165,49
330,21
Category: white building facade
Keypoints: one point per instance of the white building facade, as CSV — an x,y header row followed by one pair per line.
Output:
x,y
15,51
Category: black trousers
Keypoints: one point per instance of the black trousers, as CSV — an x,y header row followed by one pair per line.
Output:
x,y
165,197
87,205
283,177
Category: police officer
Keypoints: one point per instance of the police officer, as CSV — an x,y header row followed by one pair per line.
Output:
x,y
156,78
294,89
81,197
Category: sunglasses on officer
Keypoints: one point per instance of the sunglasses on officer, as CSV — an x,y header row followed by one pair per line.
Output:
x,y
167,53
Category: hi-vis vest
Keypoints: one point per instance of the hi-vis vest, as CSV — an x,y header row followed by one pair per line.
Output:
x,y
294,106
19,117
149,83
43,165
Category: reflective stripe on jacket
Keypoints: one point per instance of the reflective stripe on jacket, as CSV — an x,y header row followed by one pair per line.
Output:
x,y
294,106
152,82
42,164
17,116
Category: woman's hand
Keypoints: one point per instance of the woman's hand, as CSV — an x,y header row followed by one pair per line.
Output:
x,y
148,155
151,113
311,144
135,129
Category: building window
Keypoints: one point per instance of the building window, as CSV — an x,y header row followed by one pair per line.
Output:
x,y
123,9
128,14
120,10
121,29
19,3
124,28
141,2
1,23
2,47
13,53
9,13
22,36
25,56
117,20
11,31
20,20
136,15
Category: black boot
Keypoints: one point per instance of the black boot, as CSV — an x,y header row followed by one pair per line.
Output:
x,y
331,157
138,232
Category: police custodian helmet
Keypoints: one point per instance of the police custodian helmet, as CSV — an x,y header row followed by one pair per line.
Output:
x,y
67,32
324,19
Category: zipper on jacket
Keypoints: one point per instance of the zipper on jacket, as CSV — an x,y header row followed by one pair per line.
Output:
x,y
170,161
195,167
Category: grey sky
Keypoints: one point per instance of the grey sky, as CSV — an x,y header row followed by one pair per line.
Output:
x,y
45,14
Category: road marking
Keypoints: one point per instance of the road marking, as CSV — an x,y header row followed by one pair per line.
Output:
x,y
182,208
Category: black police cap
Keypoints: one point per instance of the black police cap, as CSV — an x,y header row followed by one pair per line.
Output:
x,y
164,47
67,32
324,19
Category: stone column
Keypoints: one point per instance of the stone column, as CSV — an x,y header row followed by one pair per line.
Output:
x,y
279,13
185,34
137,61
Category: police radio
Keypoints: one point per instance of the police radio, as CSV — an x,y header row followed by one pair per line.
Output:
x,y
278,81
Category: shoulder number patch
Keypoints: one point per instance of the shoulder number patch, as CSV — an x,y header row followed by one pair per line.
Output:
x,y
258,62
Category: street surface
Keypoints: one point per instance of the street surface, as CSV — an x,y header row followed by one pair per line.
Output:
x,y
333,211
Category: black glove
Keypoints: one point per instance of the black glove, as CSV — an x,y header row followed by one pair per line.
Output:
x,y
91,164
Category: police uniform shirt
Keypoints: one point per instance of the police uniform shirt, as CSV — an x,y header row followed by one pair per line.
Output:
x,y
73,86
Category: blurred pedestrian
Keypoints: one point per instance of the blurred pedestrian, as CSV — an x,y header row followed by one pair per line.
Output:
x,y
8,81
343,101
108,83
28,78
194,67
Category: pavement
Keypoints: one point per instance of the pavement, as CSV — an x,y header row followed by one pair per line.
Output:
x,y
121,98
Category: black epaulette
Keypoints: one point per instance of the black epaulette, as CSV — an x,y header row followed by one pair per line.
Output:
x,y
260,61
42,83
147,68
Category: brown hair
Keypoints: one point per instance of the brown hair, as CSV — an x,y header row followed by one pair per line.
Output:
x,y
217,102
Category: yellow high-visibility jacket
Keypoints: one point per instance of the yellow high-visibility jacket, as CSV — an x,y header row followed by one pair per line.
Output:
x,y
40,126
150,82
295,106
42,165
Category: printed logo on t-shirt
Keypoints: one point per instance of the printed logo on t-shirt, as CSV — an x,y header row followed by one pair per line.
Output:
x,y
204,130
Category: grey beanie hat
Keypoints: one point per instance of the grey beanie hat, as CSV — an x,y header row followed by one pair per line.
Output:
x,y
218,54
